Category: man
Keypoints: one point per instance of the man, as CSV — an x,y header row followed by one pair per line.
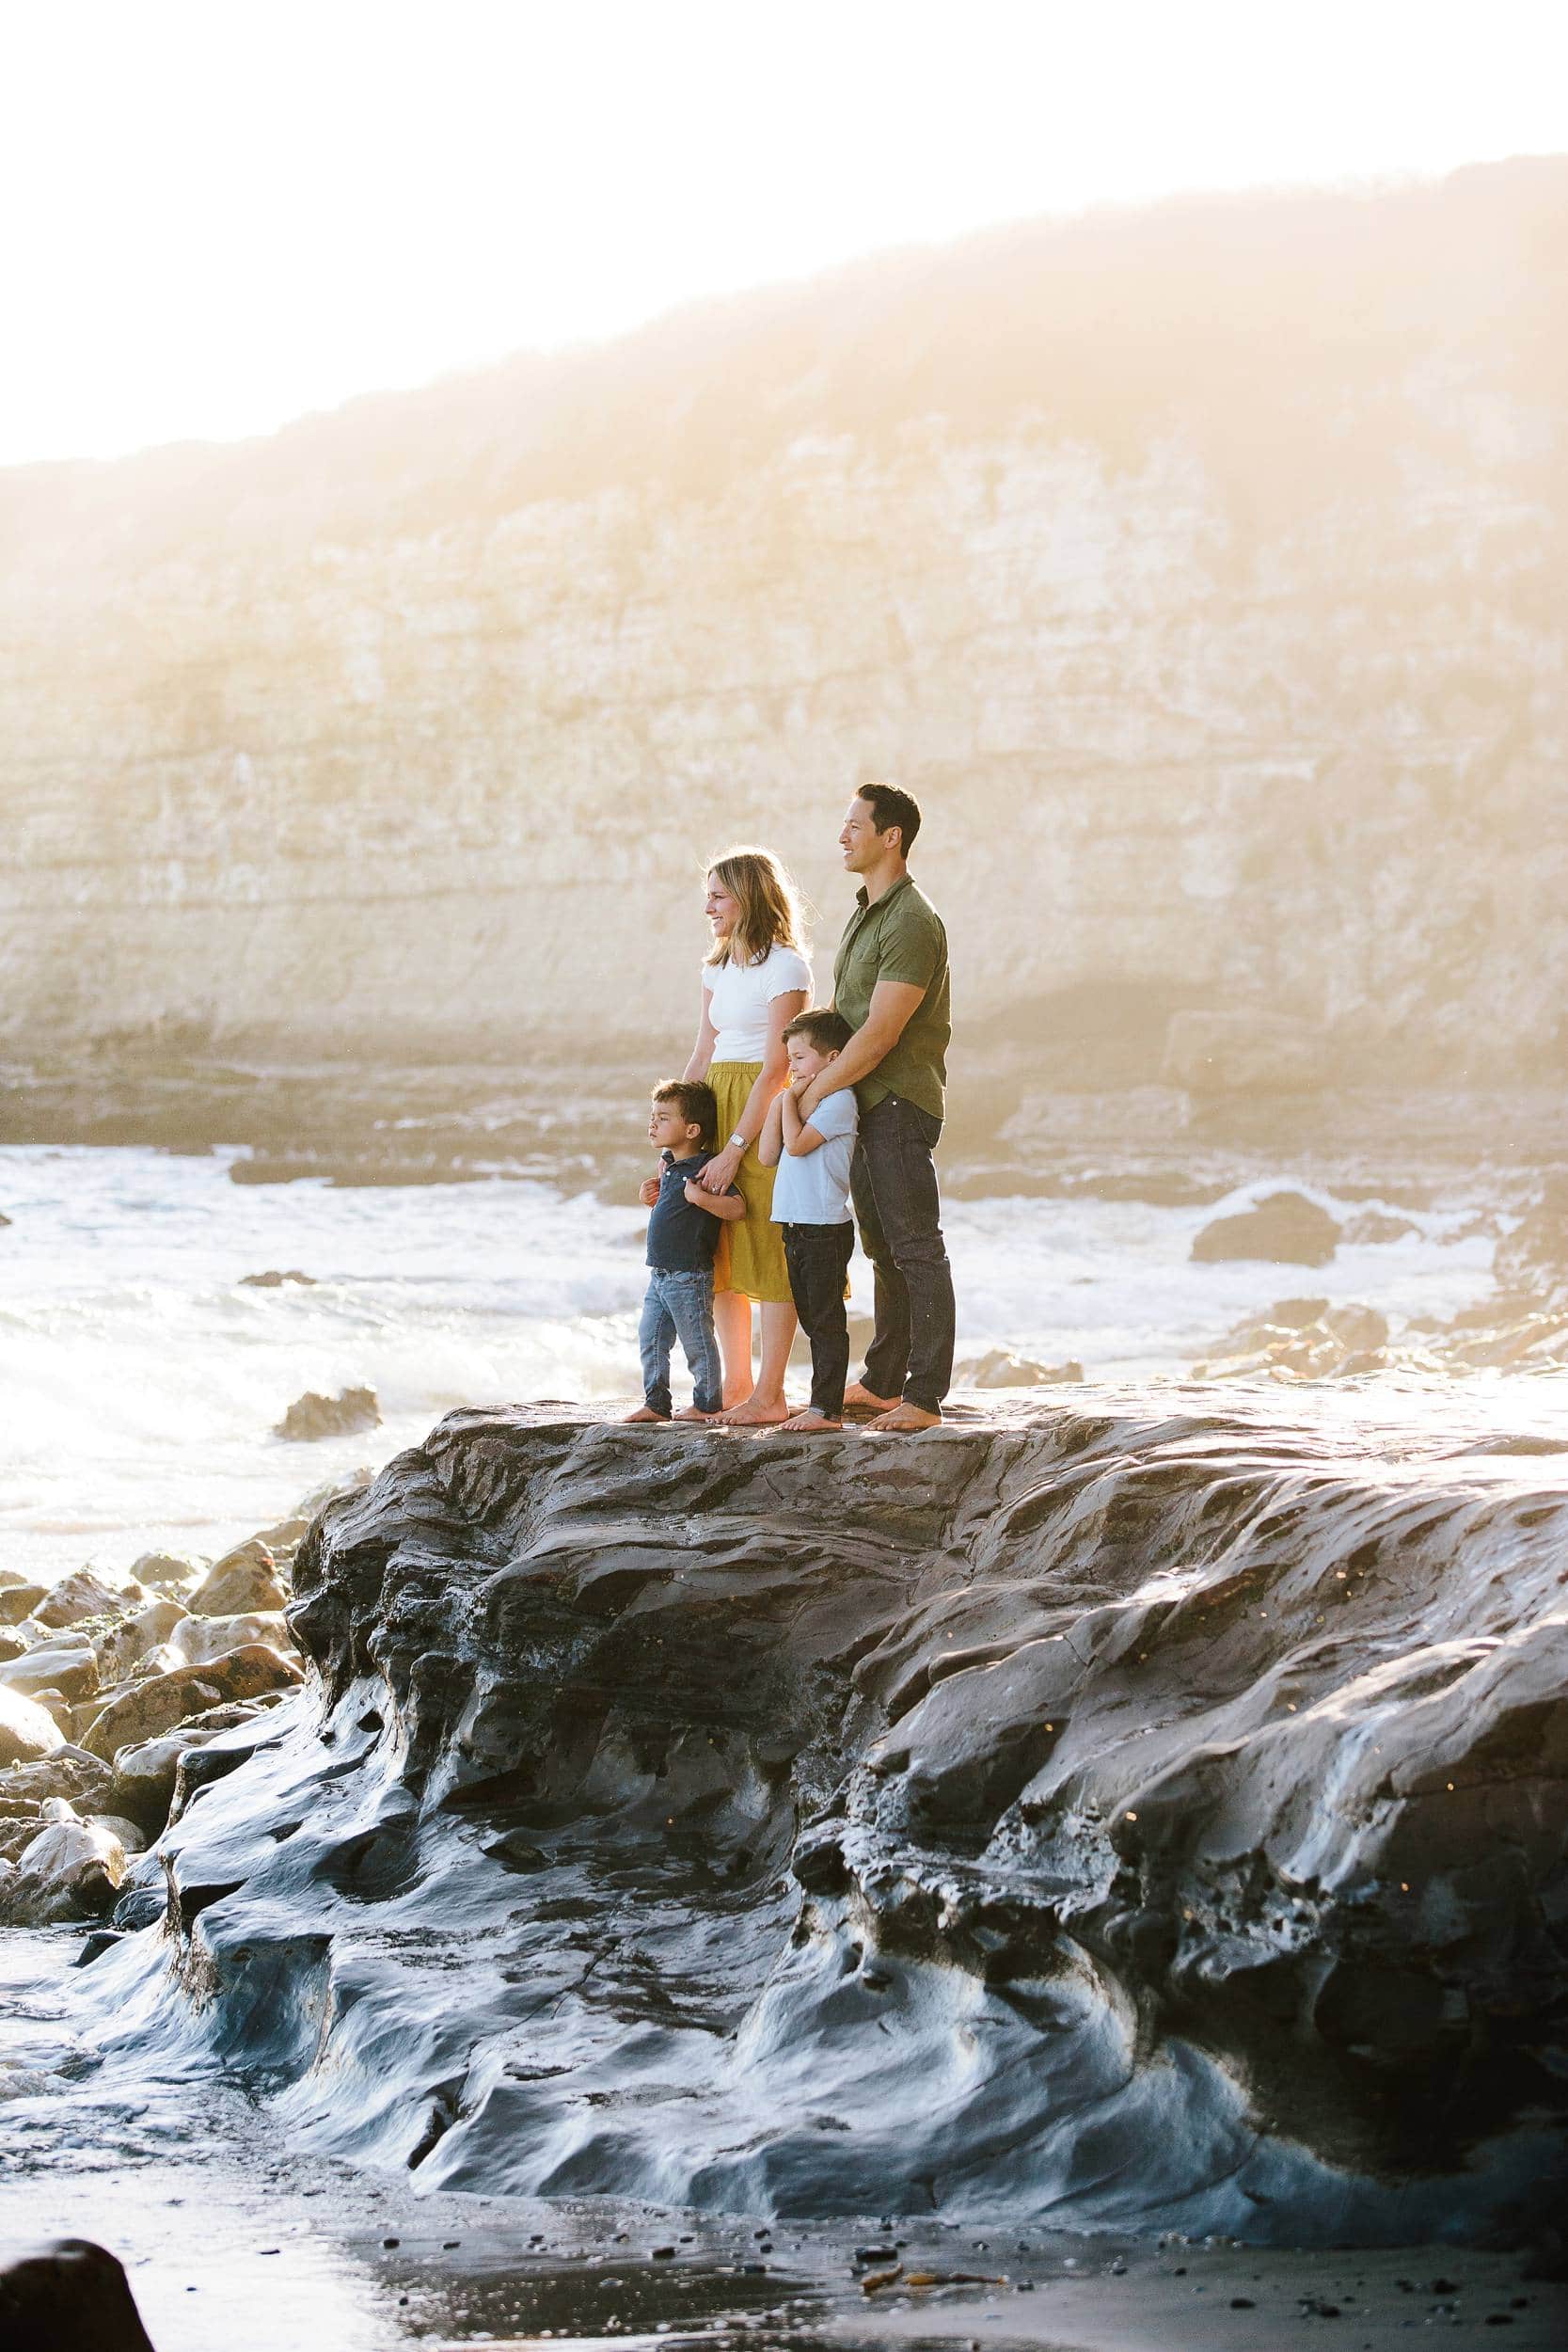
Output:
x,y
890,983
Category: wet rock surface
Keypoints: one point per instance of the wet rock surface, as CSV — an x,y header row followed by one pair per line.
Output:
x,y
1130,1817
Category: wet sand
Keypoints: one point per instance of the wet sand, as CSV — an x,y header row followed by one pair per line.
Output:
x,y
235,2244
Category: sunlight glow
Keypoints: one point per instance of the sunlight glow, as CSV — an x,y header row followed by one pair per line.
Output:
x,y
221,217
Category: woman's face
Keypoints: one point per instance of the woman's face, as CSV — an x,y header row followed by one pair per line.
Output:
x,y
723,912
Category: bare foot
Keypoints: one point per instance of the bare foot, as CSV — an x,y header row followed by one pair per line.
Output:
x,y
858,1401
905,1416
644,1412
809,1424
691,1412
756,1413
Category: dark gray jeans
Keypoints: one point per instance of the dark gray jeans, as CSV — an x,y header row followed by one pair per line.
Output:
x,y
893,1183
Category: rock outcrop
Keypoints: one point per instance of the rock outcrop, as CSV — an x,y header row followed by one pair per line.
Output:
x,y
1118,1813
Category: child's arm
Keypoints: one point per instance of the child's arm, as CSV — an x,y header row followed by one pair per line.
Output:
x,y
799,1138
729,1206
770,1141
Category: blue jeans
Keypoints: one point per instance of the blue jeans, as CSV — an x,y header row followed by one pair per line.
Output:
x,y
679,1305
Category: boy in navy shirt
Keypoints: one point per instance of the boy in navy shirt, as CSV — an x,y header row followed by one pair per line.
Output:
x,y
683,1234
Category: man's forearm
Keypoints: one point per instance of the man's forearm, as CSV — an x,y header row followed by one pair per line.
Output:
x,y
856,1061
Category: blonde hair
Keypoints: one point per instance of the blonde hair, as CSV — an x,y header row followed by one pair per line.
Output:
x,y
769,914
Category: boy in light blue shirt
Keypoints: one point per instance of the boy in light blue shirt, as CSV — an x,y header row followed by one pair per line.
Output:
x,y
810,1203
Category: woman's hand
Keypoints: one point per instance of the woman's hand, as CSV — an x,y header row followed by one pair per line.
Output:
x,y
718,1175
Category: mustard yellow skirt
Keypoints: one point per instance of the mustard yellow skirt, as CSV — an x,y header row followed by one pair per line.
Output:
x,y
750,1258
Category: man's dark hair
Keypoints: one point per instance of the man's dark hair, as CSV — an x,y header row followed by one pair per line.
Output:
x,y
697,1105
827,1030
890,806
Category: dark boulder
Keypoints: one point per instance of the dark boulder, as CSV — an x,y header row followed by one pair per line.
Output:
x,y
69,2296
1285,1228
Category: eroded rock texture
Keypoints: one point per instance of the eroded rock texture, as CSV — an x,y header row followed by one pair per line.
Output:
x,y
1124,1817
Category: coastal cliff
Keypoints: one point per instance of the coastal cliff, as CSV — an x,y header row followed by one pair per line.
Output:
x,y
1202,569
1135,1814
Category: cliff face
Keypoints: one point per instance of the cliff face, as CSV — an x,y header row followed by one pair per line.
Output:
x,y
1125,1819
1202,570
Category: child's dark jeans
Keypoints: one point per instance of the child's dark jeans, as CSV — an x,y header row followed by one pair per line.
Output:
x,y
818,1257
679,1305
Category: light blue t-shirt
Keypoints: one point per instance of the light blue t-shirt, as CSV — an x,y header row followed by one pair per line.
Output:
x,y
815,1189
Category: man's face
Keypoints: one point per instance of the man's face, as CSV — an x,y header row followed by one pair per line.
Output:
x,y
859,839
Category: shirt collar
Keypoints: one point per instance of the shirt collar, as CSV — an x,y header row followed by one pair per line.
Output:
x,y
862,902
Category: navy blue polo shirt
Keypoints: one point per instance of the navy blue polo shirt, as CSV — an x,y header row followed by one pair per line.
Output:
x,y
681,1239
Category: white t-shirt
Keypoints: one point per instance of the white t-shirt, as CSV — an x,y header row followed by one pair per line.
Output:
x,y
815,1189
739,997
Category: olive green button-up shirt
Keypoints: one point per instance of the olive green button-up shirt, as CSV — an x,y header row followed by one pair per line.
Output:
x,y
899,938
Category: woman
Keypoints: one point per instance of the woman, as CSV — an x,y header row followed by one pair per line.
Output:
x,y
754,982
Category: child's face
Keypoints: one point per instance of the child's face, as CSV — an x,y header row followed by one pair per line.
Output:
x,y
806,1059
669,1132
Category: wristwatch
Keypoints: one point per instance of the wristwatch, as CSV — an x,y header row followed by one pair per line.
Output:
x,y
737,1142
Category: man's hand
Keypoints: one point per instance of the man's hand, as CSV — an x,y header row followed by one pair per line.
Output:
x,y
647,1192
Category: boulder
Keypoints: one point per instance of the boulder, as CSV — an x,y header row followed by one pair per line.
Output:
x,y
158,1706
84,1593
1002,1370
117,1825
65,1772
11,1646
144,1776
1285,1228
19,1599
1245,1053
134,1638
286,1537
241,1583
17,1833
27,1731
70,1870
71,2293
69,1667
274,1278
169,1572
199,1639
1356,1328
311,1416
